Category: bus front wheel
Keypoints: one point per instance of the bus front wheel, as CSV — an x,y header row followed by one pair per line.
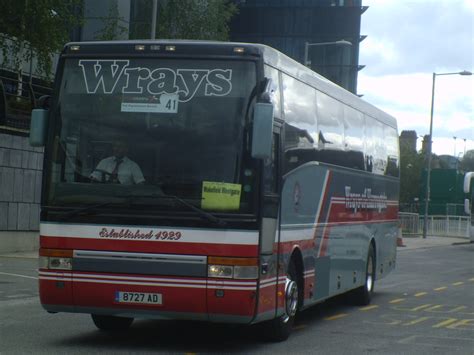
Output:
x,y
111,323
279,329
363,295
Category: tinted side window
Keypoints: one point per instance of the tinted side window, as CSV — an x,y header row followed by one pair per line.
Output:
x,y
301,127
299,102
354,130
391,142
376,150
331,126
354,138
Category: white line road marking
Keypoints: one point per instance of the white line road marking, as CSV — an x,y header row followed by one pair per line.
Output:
x,y
17,275
398,300
430,341
19,295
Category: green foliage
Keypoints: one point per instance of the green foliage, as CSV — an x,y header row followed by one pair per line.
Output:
x,y
112,29
141,28
195,19
411,166
38,27
467,162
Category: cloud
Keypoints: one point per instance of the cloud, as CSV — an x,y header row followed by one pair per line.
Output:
x,y
446,145
407,97
414,36
408,41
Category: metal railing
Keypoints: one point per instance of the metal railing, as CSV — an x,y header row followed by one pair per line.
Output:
x,y
438,225
410,223
17,99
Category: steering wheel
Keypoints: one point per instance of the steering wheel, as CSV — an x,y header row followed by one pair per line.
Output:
x,y
104,173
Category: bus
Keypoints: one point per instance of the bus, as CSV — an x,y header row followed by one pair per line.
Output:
x,y
468,202
259,188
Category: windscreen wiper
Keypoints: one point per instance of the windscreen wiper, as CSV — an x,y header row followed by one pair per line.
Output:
x,y
209,216
203,214
77,211
206,215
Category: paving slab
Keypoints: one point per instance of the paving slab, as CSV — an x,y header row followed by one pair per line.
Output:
x,y
430,241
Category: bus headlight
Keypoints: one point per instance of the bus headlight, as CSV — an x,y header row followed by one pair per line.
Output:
x,y
55,259
224,271
245,272
232,268
60,263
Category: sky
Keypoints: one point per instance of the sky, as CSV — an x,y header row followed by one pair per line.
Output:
x,y
407,41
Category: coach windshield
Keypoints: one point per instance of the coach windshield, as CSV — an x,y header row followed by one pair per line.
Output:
x,y
178,124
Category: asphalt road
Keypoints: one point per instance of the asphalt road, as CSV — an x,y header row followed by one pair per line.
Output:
x,y
425,307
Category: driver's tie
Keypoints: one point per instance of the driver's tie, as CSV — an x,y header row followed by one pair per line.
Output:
x,y
114,175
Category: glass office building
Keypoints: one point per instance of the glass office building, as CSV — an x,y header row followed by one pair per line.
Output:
x,y
288,25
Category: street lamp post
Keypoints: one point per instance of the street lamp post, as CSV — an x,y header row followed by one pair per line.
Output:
x,y
154,14
306,62
429,149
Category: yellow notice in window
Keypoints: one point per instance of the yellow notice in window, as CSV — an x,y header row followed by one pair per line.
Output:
x,y
220,196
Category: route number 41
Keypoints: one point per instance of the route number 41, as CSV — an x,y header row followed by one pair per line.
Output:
x,y
172,105
169,103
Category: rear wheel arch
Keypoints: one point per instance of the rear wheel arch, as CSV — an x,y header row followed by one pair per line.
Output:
x,y
362,295
297,259
374,248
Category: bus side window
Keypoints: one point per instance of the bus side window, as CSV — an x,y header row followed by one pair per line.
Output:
x,y
354,138
375,146
301,126
391,142
330,123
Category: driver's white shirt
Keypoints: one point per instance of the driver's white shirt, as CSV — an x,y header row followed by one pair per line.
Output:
x,y
128,172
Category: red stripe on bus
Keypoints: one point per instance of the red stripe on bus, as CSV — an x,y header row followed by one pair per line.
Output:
x,y
328,213
339,213
287,247
325,241
323,208
149,247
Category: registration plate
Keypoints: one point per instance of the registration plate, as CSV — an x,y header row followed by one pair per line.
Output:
x,y
138,297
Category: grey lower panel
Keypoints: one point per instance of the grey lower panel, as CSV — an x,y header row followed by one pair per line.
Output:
x,y
127,313
227,318
162,315
140,263
322,267
264,316
140,267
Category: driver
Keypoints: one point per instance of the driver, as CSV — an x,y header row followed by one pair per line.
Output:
x,y
118,169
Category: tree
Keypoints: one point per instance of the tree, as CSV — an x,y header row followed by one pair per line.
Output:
x,y
36,28
112,28
467,162
411,166
195,19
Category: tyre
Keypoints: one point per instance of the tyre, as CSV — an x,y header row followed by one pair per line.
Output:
x,y
111,323
279,329
363,295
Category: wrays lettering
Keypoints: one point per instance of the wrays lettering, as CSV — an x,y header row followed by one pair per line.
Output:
x,y
115,76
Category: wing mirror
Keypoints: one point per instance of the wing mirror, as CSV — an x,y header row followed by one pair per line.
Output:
x,y
262,133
